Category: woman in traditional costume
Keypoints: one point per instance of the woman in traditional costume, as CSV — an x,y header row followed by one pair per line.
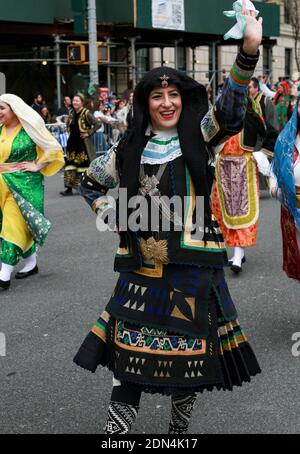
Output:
x,y
28,152
285,107
285,186
170,326
80,146
282,92
235,195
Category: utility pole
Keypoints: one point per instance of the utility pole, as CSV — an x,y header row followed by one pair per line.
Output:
x,y
93,50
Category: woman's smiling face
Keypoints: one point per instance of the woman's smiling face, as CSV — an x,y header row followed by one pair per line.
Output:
x,y
7,116
77,103
165,106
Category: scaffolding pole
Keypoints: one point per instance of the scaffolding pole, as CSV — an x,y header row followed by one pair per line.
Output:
x,y
133,62
93,50
2,83
58,72
194,61
176,53
108,74
162,56
214,70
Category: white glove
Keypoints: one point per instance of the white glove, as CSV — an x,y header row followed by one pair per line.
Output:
x,y
267,92
237,32
264,166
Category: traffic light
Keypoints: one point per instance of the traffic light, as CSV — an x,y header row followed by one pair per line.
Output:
x,y
103,52
77,54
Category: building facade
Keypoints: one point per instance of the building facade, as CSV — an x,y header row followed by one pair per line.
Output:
x,y
275,60
35,35
284,62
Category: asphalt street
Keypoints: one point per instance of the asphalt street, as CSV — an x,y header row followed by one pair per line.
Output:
x,y
45,318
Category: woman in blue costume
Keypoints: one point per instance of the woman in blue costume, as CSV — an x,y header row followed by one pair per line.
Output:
x,y
285,186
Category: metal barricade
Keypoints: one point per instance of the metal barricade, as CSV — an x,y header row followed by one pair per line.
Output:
x,y
60,132
100,142
100,138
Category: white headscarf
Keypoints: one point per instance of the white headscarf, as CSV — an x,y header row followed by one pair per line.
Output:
x,y
33,124
48,149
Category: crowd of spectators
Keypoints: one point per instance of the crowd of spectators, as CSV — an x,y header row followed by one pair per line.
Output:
x,y
114,113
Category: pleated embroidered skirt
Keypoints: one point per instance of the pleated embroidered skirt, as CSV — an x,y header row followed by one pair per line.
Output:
x,y
175,334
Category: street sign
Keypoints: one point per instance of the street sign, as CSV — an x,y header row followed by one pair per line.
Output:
x,y
80,25
2,83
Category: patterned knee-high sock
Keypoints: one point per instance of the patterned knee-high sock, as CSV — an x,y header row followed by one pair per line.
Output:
x,y
120,418
182,407
123,409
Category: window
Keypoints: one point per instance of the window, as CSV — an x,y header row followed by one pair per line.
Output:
x,y
288,63
142,62
287,12
267,60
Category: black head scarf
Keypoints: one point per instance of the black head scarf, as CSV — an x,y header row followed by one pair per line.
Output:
x,y
194,107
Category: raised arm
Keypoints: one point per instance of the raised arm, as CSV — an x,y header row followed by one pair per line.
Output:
x,y
226,117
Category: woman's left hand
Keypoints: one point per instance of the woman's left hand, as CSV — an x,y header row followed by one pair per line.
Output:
x,y
83,135
253,32
30,166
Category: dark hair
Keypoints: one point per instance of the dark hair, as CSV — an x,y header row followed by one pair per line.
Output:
x,y
195,106
118,103
47,118
97,104
255,82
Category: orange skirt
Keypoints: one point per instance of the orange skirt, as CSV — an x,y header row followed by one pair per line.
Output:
x,y
243,237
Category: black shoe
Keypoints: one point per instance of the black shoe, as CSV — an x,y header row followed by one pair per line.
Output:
x,y
230,262
21,275
4,285
67,192
236,269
